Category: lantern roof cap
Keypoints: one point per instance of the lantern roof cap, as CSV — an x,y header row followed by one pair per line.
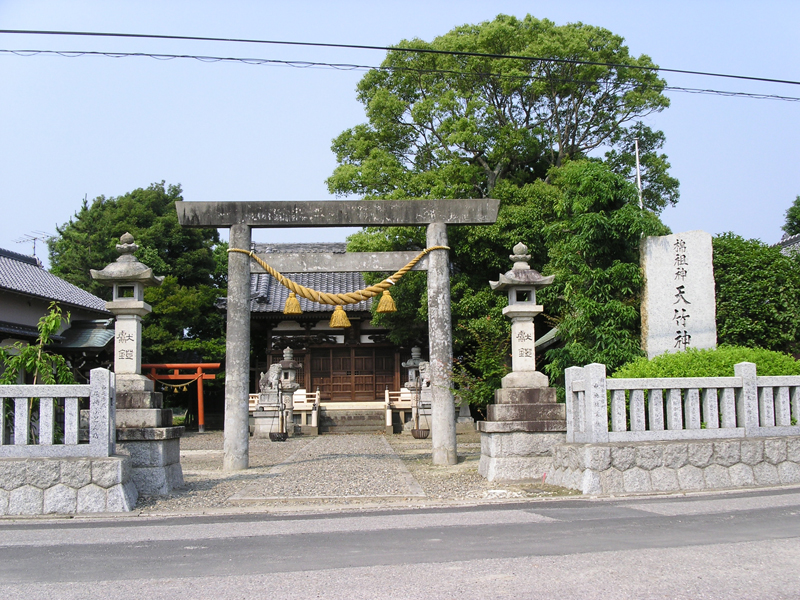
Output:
x,y
521,274
127,267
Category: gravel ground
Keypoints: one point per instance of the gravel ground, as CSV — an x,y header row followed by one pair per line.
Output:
x,y
332,471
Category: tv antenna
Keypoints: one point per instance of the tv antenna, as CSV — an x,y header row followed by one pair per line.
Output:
x,y
34,237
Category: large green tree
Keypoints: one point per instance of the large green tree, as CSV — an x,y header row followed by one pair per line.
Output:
x,y
184,323
455,125
529,133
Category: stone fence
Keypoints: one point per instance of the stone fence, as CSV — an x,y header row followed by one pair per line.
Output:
x,y
602,410
46,468
17,441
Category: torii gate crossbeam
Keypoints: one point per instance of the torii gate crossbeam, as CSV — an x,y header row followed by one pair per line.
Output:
x,y
241,217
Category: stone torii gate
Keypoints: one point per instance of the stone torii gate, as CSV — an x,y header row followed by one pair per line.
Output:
x,y
241,217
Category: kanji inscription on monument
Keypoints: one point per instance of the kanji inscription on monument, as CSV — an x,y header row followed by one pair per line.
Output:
x,y
678,303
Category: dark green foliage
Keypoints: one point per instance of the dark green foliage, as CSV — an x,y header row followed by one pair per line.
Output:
x,y
593,241
792,225
710,363
184,325
758,294
477,374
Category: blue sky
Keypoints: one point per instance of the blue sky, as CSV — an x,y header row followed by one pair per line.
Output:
x,y
90,126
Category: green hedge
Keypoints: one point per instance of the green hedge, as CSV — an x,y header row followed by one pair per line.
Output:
x,y
710,363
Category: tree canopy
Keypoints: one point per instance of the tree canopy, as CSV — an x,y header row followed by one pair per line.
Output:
x,y
792,224
184,322
758,294
455,125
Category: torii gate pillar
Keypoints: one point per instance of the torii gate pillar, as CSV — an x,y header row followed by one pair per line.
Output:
x,y
240,217
236,445
440,342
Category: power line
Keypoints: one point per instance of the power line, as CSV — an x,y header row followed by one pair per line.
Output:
x,y
391,48
356,67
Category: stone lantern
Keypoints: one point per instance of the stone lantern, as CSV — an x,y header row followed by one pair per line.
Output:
x,y
144,426
128,278
413,368
288,386
525,422
521,283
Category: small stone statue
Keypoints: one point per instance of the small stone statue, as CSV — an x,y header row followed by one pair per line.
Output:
x,y
271,379
424,374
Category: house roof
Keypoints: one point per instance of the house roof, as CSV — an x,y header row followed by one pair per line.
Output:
x,y
25,275
789,244
267,295
88,335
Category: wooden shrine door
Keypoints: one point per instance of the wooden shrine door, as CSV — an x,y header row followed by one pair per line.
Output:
x,y
352,374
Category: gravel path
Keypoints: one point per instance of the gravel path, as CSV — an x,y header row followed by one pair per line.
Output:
x,y
332,472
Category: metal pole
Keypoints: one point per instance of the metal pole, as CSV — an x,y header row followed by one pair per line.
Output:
x,y
638,172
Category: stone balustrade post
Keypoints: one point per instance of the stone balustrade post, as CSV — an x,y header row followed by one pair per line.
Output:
x,y
575,416
747,395
596,404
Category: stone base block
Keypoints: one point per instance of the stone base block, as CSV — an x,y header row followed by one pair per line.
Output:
x,y
155,465
517,456
264,423
514,468
144,417
129,382
156,453
527,412
36,486
524,426
545,395
525,379
157,481
141,399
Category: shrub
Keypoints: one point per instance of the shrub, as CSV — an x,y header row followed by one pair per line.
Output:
x,y
710,363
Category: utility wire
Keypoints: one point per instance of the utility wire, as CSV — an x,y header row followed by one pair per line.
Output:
x,y
387,49
356,67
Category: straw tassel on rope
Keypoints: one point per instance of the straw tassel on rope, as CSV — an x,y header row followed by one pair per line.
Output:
x,y
292,306
339,318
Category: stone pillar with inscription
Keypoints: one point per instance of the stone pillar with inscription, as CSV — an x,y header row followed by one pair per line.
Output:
x,y
525,422
144,427
678,301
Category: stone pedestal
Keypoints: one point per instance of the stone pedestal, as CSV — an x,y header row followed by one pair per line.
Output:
x,y
145,431
464,421
520,431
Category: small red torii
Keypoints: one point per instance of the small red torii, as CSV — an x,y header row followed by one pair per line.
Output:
x,y
198,375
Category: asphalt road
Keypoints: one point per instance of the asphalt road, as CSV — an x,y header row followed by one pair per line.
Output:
x,y
742,545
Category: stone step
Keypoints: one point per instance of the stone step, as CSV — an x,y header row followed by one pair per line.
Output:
x,y
529,426
525,396
527,412
352,421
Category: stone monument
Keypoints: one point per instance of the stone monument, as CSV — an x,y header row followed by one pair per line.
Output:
x,y
678,301
144,426
525,422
